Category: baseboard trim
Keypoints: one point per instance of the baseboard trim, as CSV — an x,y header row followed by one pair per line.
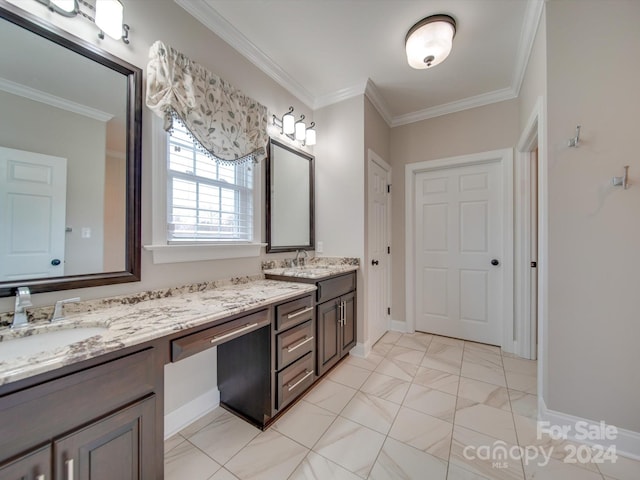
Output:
x,y
627,442
361,349
190,412
398,326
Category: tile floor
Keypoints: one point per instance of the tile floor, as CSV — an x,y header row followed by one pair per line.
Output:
x,y
416,408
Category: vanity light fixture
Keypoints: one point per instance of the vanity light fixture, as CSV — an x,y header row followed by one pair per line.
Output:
x,y
295,130
429,41
108,17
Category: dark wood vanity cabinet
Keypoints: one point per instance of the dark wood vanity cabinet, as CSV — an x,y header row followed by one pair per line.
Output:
x,y
100,422
336,320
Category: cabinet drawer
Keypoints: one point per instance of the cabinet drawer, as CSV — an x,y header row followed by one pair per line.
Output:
x,y
294,312
294,343
197,342
334,287
295,379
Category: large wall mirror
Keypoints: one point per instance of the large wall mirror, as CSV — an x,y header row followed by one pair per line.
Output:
x,y
70,156
290,201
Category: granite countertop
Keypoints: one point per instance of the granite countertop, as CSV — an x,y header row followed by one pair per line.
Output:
x,y
135,319
315,269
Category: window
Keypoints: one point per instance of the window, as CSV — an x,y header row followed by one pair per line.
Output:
x,y
206,201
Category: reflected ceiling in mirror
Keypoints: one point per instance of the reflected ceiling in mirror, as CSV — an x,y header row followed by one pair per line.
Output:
x,y
69,160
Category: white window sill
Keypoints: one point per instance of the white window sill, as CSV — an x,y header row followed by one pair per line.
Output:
x,y
195,253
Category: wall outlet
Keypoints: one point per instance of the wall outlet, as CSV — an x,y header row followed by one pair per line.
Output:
x,y
85,232
319,247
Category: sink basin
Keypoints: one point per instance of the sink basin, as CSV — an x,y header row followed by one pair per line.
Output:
x,y
29,345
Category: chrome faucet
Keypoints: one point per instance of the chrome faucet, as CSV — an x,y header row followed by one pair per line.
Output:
x,y
298,255
23,300
58,311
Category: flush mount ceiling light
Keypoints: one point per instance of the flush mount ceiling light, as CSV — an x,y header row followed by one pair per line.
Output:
x,y
429,41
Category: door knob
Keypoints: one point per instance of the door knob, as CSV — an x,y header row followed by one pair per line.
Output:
x,y
55,262
495,262
374,262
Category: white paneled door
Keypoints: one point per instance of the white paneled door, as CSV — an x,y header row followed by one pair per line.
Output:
x,y
32,214
458,252
378,268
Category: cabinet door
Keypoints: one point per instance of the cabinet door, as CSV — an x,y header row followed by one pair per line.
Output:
x,y
35,465
328,335
348,330
119,446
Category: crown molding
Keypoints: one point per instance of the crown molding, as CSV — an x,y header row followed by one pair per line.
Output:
x,y
58,102
211,19
208,16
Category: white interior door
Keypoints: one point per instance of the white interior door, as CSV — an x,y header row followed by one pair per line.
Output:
x,y
459,247
378,268
32,214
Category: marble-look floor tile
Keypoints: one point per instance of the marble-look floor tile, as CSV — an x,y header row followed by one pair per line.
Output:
x,y
487,359
407,355
351,445
173,441
399,461
390,337
520,365
456,342
486,393
490,421
444,357
384,386
270,455
465,455
349,375
401,370
524,404
305,423
370,362
317,467
187,461
437,379
417,341
224,437
483,373
456,472
622,469
422,431
540,469
202,422
223,474
370,411
330,395
382,348
432,402
481,347
522,382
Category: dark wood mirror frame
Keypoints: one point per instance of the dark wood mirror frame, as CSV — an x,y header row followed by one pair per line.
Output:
x,y
133,74
269,199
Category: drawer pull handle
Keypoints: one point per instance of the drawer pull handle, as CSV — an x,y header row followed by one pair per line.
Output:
x,y
69,465
295,347
308,374
300,312
41,477
248,326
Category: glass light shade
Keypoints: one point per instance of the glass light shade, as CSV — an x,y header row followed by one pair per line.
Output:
x,y
429,41
311,136
301,131
288,124
68,6
109,16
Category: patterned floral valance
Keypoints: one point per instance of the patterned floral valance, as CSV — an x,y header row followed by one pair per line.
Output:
x,y
229,126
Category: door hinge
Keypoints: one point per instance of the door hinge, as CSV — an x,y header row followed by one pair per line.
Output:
x,y
388,249
534,264
388,188
388,310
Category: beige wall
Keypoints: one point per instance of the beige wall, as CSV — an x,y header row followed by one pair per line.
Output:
x,y
471,131
594,228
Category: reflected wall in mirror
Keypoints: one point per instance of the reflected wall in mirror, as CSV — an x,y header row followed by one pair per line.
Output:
x,y
290,200
70,151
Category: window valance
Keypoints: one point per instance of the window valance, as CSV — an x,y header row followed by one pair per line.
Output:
x,y
229,126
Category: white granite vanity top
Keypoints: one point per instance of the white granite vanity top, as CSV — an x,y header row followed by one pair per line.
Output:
x,y
315,269
132,320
